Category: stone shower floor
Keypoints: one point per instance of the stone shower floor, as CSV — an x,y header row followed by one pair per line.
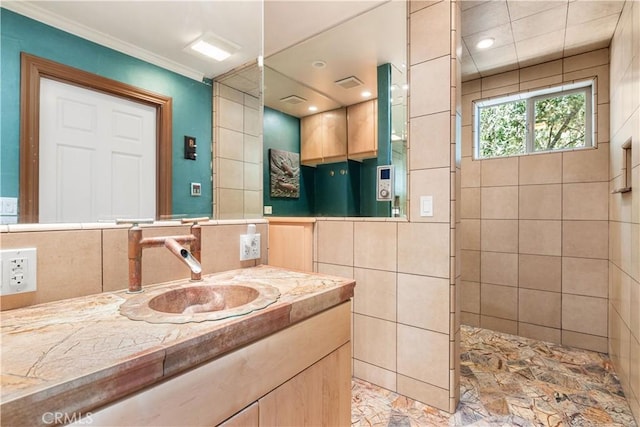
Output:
x,y
508,380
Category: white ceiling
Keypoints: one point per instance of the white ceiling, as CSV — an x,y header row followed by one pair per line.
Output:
x,y
526,32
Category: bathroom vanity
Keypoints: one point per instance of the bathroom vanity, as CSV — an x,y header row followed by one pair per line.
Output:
x,y
82,362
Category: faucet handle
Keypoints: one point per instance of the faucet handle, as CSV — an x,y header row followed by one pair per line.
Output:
x,y
134,221
194,220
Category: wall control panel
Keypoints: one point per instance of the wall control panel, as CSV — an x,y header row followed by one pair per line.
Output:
x,y
385,183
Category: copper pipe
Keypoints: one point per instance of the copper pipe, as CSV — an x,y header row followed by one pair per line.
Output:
x,y
195,246
135,259
183,255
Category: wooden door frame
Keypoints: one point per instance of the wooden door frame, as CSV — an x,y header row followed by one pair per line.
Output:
x,y
32,70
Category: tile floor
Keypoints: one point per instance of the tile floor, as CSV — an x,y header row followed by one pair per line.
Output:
x,y
509,381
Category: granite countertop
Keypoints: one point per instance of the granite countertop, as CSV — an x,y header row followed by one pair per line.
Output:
x,y
76,355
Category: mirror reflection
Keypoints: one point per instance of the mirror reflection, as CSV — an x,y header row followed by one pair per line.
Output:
x,y
337,99
120,43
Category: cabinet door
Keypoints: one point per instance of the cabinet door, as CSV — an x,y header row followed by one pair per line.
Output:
x,y
334,141
318,396
362,129
311,139
248,417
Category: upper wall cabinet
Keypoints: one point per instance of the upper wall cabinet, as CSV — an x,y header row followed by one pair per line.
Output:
x,y
362,130
324,137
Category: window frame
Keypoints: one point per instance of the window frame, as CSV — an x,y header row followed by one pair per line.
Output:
x,y
530,99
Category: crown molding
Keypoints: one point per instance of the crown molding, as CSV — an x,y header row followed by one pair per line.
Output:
x,y
54,20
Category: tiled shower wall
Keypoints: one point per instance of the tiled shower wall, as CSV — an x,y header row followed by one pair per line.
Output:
x,y
237,148
535,227
83,259
406,325
624,209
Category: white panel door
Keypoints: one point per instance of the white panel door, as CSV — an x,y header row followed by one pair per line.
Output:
x,y
97,155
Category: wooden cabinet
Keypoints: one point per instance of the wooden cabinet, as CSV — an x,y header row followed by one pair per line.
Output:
x,y
237,387
320,395
291,243
323,137
362,130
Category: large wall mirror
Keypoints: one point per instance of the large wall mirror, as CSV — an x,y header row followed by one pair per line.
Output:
x,y
142,47
335,97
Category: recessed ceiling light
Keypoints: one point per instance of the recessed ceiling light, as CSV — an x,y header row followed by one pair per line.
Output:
x,y
319,64
313,108
366,94
213,46
485,43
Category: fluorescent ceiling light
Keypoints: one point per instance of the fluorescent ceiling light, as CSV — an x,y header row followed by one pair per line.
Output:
x,y
485,43
214,47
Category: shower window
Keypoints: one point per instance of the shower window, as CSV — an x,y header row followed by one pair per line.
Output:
x,y
559,118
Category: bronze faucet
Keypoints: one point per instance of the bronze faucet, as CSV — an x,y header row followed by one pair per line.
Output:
x,y
173,243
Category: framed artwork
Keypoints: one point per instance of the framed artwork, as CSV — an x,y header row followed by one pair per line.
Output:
x,y
284,174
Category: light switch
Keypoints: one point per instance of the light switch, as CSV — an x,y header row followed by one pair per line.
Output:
x,y
426,205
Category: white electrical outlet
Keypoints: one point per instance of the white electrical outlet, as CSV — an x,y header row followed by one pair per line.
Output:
x,y
18,271
249,246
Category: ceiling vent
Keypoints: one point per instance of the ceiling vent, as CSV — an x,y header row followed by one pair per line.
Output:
x,y
349,82
293,100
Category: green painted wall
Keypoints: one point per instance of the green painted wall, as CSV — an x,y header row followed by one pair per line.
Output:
x,y
192,101
282,132
337,191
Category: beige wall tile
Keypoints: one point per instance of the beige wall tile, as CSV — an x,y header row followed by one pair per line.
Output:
x,y
374,341
374,374
588,165
540,272
430,32
538,332
539,307
416,257
535,72
499,202
584,314
500,80
540,201
497,172
230,114
74,272
252,176
423,302
471,86
499,268
230,203
231,174
336,270
375,293
423,355
499,301
252,204
467,141
470,297
252,149
470,203
435,183
375,245
432,149
423,392
538,237
252,124
229,93
586,60
428,78
221,248
583,276
470,319
585,201
470,265
586,341
498,324
588,239
335,242
470,234
470,172
499,235
230,144
541,169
